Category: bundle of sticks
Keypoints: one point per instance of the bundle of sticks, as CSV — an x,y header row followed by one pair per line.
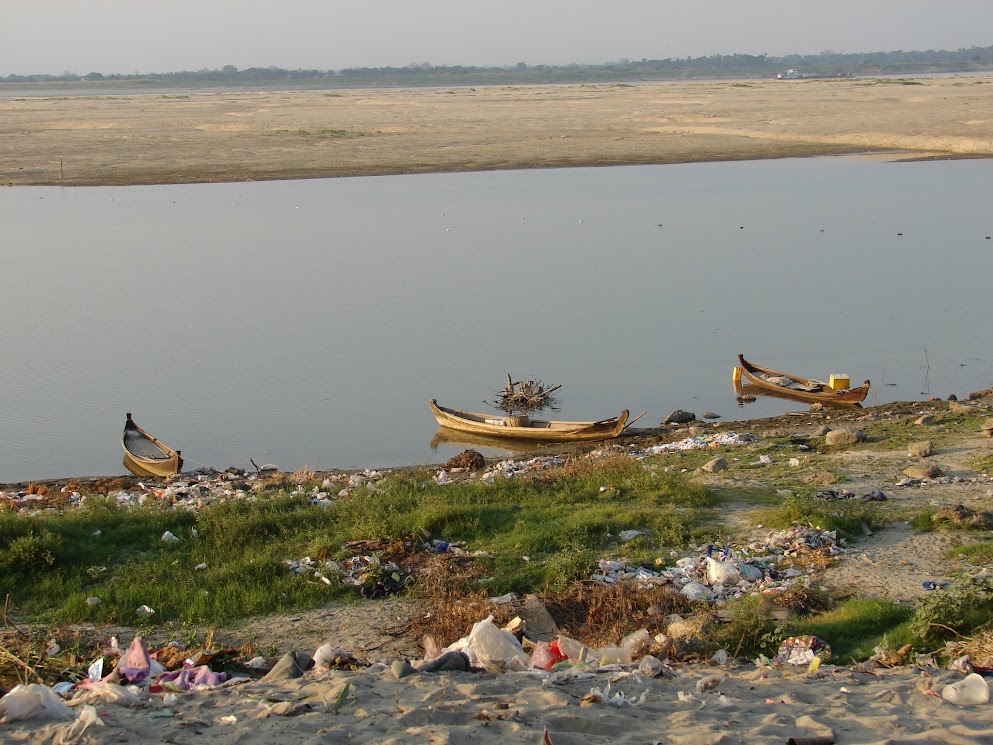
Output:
x,y
525,395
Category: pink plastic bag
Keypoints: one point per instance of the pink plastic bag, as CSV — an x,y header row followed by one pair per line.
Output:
x,y
545,655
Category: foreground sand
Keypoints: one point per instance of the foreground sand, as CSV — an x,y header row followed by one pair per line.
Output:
x,y
247,136
748,705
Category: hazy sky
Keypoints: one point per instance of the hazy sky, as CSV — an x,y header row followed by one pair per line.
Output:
x,y
127,36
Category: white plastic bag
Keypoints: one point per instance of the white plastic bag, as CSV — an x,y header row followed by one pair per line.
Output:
x,y
722,572
109,693
494,649
323,656
748,572
33,701
696,591
71,734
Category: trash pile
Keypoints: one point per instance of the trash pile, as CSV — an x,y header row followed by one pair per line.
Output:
x,y
132,676
374,576
834,495
192,490
767,566
508,649
701,442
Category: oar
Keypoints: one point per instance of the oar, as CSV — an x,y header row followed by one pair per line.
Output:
x,y
633,420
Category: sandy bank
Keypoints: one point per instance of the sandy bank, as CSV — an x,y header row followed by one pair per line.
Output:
x,y
248,136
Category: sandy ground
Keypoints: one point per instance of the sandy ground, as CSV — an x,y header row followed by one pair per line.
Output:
x,y
747,705
247,136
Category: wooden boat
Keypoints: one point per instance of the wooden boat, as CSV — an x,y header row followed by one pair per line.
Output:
x,y
146,456
525,428
796,388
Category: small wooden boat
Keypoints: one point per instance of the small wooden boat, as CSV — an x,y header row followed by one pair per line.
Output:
x,y
146,456
783,385
525,428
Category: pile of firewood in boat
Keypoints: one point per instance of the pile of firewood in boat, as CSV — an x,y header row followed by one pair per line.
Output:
x,y
525,395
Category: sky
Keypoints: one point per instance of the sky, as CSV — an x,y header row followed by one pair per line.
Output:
x,y
143,36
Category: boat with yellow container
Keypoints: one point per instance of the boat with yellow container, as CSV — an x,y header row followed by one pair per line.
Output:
x,y
836,392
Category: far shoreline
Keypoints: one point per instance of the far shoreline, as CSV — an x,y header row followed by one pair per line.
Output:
x,y
243,136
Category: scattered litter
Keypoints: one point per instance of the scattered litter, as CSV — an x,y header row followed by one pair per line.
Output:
x,y
701,442
707,682
801,650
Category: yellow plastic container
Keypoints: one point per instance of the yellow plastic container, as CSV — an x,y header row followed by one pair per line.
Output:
x,y
839,382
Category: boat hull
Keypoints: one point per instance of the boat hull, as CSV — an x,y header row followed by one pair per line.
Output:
x,y
502,427
820,392
146,456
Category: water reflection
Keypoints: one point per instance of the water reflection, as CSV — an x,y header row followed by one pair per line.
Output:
x,y
447,436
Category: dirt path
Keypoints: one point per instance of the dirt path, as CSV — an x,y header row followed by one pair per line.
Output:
x,y
895,560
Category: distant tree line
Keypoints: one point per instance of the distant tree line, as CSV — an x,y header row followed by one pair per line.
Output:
x,y
423,73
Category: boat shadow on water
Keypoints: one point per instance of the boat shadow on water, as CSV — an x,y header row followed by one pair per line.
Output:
x,y
447,436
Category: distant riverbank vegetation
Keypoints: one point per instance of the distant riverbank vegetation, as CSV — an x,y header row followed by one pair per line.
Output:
x,y
825,64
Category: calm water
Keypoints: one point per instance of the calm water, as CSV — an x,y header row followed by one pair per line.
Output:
x,y
309,322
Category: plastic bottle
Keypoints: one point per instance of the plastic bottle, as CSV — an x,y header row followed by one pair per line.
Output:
x,y
575,650
969,691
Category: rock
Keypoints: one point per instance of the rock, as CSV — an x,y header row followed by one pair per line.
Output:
x,y
953,397
711,415
957,408
822,430
772,434
817,406
988,428
679,417
470,460
401,669
292,665
539,624
446,662
920,449
925,420
696,431
844,437
923,471
714,465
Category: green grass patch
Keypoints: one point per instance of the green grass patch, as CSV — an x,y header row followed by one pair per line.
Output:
x,y
854,628
844,515
537,533
983,465
977,554
966,604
